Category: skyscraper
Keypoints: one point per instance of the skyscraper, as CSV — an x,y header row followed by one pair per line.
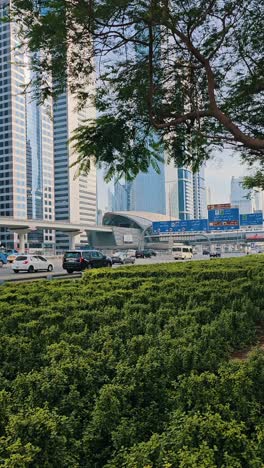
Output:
x,y
199,194
147,191
75,197
13,191
26,141
185,188
185,192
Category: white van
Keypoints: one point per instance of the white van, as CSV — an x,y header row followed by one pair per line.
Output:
x,y
182,252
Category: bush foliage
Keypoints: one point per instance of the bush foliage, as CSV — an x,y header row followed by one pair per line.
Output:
x,y
131,368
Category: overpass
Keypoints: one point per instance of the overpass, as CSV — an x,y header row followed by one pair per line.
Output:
x,y
244,236
24,226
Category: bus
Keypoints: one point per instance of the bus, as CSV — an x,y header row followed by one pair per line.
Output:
x,y
182,252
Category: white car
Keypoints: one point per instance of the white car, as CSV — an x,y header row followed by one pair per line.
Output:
x,y
31,263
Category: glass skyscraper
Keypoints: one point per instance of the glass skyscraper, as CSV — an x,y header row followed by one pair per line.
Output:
x,y
26,141
185,193
75,197
199,194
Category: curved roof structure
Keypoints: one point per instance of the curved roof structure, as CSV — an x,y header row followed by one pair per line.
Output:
x,y
133,219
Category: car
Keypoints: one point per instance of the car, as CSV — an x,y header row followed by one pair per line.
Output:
x,y
31,263
79,260
151,252
139,254
206,252
11,255
216,253
122,258
128,260
147,253
117,258
131,253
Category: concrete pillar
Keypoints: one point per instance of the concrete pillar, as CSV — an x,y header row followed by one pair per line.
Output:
x,y
72,236
22,240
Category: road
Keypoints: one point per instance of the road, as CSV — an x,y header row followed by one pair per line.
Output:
x,y
7,273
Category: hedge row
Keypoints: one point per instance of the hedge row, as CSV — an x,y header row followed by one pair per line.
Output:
x,y
131,368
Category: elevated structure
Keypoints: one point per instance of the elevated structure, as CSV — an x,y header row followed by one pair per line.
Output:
x,y
22,227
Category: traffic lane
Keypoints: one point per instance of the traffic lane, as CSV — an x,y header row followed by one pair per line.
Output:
x,y
6,271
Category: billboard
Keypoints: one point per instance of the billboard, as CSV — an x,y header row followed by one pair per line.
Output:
x,y
190,225
258,236
251,219
225,219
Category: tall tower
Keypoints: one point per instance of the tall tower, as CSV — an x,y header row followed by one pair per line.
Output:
x,y
147,191
26,140
185,186
75,195
199,194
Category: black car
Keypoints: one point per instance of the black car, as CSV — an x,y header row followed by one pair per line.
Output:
x,y
206,252
143,253
79,260
139,254
215,254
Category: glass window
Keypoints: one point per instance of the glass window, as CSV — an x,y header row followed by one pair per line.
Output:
x,y
94,254
72,255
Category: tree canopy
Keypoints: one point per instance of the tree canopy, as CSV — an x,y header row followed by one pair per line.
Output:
x,y
187,74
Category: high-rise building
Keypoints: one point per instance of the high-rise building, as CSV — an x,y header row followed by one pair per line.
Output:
x,y
147,191
171,191
240,197
185,193
120,198
185,189
13,190
199,194
26,142
75,197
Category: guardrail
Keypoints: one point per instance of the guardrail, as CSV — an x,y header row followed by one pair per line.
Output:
x,y
49,277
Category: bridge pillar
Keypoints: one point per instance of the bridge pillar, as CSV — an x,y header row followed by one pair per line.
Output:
x,y
22,238
72,236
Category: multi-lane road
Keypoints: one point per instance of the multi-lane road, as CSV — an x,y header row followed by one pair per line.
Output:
x,y
6,272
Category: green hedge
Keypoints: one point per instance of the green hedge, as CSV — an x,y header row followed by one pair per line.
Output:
x,y
131,368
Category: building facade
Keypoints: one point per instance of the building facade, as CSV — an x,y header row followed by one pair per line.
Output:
x,y
147,192
199,195
185,189
75,195
26,143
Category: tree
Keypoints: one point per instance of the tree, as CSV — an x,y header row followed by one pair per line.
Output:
x,y
187,74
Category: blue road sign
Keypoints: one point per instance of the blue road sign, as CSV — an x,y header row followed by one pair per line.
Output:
x,y
190,225
223,219
251,219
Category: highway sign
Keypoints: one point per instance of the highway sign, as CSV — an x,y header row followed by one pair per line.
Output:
x,y
223,219
188,225
251,219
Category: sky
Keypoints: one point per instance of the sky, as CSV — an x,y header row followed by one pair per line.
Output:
x,y
218,175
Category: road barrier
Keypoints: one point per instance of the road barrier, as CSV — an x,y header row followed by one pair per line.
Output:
x,y
49,277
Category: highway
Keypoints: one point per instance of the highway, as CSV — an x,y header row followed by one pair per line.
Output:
x,y
6,272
